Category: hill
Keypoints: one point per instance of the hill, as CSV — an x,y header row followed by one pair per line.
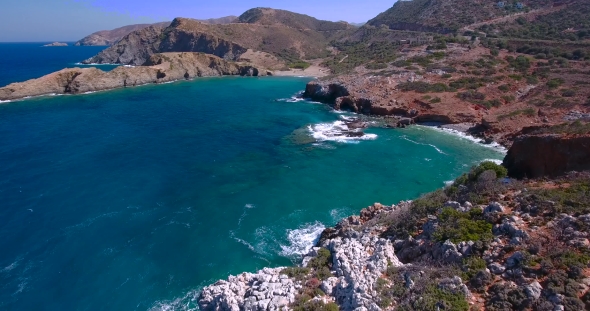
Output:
x,y
110,37
281,34
447,16
268,16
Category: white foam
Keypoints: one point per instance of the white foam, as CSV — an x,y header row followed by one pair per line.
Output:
x,y
463,135
337,131
497,161
97,64
302,240
292,99
188,302
5,101
245,213
431,145
10,267
241,241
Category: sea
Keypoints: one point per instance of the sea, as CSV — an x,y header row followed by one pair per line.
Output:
x,y
134,199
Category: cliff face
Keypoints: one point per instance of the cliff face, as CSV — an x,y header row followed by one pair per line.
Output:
x,y
160,68
548,155
134,49
110,37
185,35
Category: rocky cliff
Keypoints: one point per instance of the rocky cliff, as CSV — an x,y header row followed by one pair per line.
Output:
x,y
162,67
535,156
110,37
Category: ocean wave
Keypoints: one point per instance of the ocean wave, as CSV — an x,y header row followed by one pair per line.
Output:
x,y
338,131
97,64
245,213
463,135
293,99
425,144
302,240
5,101
188,302
241,241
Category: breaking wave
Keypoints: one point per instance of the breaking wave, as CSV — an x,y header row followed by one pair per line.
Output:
x,y
338,131
302,240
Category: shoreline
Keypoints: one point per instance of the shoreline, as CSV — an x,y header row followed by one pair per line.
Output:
x,y
312,71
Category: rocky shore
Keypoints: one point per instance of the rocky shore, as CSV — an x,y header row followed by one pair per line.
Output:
x,y
439,252
159,68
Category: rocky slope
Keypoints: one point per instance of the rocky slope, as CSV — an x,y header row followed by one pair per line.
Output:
x,y
110,37
162,67
492,96
515,246
446,16
283,34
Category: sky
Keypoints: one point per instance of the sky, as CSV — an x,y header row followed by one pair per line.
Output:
x,y
71,20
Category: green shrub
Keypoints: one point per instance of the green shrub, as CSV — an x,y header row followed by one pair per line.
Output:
x,y
299,65
304,303
298,273
555,83
321,264
568,93
471,266
504,88
433,298
500,170
459,226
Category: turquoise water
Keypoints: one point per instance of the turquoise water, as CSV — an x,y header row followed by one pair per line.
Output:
x,y
134,199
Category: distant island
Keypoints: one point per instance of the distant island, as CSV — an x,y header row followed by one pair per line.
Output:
x,y
56,44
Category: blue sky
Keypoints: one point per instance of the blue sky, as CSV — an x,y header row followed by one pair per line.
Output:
x,y
70,20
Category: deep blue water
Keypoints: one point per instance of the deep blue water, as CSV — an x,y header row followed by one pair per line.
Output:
x,y
23,61
133,199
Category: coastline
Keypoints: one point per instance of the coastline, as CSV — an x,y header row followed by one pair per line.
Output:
x,y
312,71
161,68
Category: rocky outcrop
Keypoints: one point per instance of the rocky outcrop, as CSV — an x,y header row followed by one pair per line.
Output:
x,y
352,96
160,68
267,289
548,155
359,259
56,44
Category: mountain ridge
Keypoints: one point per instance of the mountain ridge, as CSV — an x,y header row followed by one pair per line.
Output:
x,y
110,37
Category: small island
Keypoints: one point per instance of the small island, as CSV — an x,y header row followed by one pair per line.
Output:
x,y
56,44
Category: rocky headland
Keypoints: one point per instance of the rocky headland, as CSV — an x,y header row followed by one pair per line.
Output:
x,y
159,68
